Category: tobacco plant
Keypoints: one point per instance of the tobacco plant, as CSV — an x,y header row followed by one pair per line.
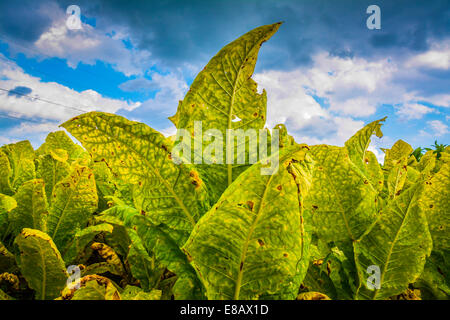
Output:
x,y
121,220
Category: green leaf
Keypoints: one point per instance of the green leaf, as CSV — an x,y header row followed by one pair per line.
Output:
x,y
157,242
41,264
93,287
286,140
51,169
365,160
7,204
60,140
399,150
255,240
5,178
434,282
398,244
316,279
312,296
4,296
396,177
436,205
143,265
74,201
170,193
82,238
341,201
21,158
136,293
7,259
105,183
31,211
156,239
224,96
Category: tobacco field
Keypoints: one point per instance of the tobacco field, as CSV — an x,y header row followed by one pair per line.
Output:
x,y
114,217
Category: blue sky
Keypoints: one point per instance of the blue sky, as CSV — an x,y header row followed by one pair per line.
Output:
x,y
326,74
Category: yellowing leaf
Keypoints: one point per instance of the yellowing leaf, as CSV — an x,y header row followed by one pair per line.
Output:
x,y
21,158
52,170
74,201
60,140
399,150
41,264
136,293
255,240
5,169
7,204
365,160
224,96
31,211
398,245
92,287
436,204
341,200
169,193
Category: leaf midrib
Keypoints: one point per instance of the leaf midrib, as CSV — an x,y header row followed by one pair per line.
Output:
x,y
233,95
175,196
383,273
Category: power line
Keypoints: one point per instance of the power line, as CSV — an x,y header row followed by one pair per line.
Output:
x,y
10,62
44,100
7,116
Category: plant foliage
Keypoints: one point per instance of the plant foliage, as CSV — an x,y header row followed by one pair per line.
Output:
x,y
138,226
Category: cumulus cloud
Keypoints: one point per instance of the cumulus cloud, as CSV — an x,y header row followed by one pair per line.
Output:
x,y
89,45
438,57
170,88
438,128
410,111
49,100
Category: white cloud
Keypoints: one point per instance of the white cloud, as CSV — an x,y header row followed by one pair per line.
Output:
x,y
438,57
89,45
409,111
170,89
287,101
12,76
26,128
438,128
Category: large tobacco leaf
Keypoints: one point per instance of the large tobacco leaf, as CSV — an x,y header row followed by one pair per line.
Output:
x,y
74,201
82,238
21,158
224,96
365,160
157,242
5,177
143,265
7,204
156,239
60,140
31,211
398,244
41,264
255,241
92,287
399,150
170,193
52,169
342,201
434,282
436,204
